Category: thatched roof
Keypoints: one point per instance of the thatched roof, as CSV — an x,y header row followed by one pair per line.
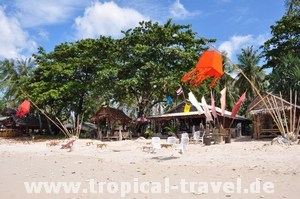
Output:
x,y
257,106
111,114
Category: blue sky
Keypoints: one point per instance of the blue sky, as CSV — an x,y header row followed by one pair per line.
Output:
x,y
27,24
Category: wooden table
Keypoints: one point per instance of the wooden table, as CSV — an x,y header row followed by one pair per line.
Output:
x,y
166,145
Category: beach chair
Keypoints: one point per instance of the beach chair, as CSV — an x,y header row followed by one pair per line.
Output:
x,y
172,140
183,144
68,145
197,138
155,142
184,135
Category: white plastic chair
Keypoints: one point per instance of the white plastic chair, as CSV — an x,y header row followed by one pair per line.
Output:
x,y
184,135
155,141
183,144
197,137
172,140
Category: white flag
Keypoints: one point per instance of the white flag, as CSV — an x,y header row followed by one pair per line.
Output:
x,y
195,103
206,110
223,100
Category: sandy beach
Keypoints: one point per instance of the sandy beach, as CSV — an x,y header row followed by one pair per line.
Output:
x,y
244,168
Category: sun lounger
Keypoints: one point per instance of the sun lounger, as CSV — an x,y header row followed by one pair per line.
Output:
x,y
89,143
101,145
68,145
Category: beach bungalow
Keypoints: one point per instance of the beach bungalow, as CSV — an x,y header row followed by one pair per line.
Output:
x,y
112,124
263,123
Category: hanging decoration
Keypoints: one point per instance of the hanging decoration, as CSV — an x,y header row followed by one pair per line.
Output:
x,y
209,65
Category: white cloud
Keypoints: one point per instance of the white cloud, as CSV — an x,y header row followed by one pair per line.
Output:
x,y
34,13
14,41
237,42
106,19
178,11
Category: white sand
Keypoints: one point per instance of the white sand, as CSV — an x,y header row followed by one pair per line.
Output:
x,y
124,165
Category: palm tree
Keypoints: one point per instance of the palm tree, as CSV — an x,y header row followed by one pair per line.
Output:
x,y
248,64
13,76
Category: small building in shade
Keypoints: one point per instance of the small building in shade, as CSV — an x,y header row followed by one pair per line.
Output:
x,y
264,122
110,121
185,121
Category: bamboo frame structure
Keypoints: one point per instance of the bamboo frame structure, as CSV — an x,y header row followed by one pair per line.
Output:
x,y
273,109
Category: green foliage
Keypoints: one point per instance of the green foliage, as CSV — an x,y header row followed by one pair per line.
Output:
x,y
149,133
68,78
152,61
14,75
286,77
248,63
285,40
282,51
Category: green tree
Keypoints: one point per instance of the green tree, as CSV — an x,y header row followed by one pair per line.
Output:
x,y
283,50
248,64
292,7
67,78
153,59
14,74
285,40
286,77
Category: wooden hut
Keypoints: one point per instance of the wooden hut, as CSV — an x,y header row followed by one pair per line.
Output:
x,y
110,123
262,120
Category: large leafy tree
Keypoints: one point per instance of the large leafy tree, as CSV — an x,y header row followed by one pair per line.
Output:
x,y
66,79
283,50
286,39
152,61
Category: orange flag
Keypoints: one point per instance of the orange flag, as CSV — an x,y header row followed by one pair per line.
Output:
x,y
237,105
223,100
23,108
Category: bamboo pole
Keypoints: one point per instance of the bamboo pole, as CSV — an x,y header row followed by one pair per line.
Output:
x,y
275,117
65,132
291,113
283,110
279,115
295,109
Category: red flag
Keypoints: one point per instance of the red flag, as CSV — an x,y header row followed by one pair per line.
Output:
x,y
213,107
237,105
223,100
23,108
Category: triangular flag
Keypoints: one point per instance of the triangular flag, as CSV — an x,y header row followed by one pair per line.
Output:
x,y
223,100
206,110
195,103
23,109
237,105
187,108
213,107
